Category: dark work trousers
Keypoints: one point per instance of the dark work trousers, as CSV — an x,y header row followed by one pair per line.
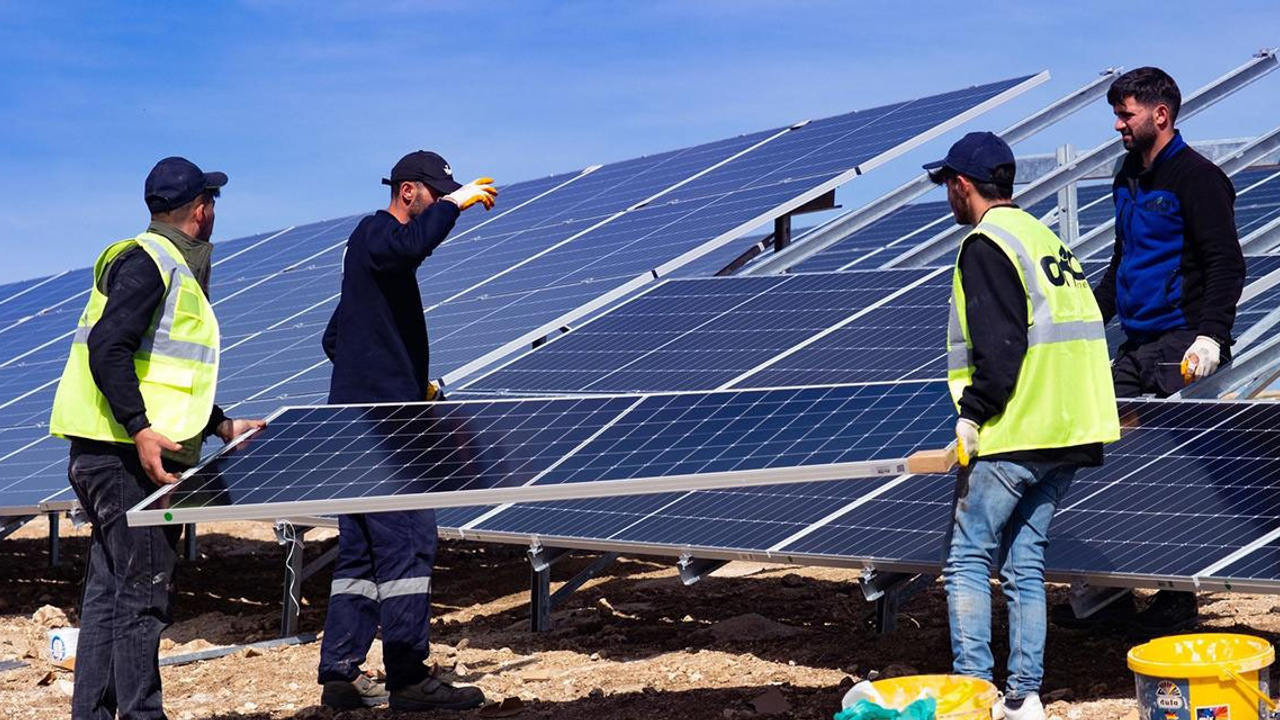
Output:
x,y
382,578
128,588
1154,367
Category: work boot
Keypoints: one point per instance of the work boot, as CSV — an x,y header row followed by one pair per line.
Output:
x,y
1168,612
436,694
363,692
1026,708
1118,613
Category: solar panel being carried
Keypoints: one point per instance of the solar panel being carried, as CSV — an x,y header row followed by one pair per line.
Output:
x,y
344,459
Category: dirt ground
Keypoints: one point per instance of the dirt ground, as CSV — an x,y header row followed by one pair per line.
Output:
x,y
634,643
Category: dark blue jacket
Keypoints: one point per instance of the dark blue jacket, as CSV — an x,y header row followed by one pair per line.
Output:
x,y
377,337
1177,262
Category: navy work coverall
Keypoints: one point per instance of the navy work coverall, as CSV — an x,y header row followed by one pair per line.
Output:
x,y
377,341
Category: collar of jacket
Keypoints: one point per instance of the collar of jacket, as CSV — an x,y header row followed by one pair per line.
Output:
x,y
197,253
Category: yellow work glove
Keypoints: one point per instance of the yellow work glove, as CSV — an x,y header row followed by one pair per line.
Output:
x,y
966,441
477,191
1201,359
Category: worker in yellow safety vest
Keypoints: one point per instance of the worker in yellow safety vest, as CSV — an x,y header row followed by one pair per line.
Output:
x,y
1028,370
136,402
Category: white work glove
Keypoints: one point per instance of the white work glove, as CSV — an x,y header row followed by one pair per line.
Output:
x,y
1202,359
476,191
966,441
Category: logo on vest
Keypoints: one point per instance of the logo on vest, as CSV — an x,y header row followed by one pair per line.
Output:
x,y
1062,269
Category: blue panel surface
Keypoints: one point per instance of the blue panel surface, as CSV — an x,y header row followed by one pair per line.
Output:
x,y
343,454
694,334
747,519
1189,484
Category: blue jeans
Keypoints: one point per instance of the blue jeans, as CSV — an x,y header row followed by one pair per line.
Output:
x,y
128,588
1002,515
382,579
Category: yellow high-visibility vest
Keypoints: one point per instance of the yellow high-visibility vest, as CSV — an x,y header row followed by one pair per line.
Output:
x,y
1064,394
177,362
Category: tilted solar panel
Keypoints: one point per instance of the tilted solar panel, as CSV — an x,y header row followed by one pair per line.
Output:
x,y
341,459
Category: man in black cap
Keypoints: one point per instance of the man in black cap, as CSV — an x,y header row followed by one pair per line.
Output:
x,y
1028,371
136,402
377,341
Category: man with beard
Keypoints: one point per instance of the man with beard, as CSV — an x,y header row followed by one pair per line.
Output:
x,y
1027,369
1176,272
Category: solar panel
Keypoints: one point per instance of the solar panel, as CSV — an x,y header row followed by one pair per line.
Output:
x,y
695,334
337,459
1188,495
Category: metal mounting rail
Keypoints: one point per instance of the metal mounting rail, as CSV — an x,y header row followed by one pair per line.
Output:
x,y
833,231
946,241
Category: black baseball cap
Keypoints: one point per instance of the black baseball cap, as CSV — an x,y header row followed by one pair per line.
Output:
x,y
425,167
176,181
975,156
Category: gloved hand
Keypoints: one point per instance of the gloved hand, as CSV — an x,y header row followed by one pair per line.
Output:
x,y
476,191
966,441
1202,359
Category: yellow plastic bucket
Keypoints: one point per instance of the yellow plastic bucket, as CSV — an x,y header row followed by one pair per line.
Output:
x,y
959,697
1209,676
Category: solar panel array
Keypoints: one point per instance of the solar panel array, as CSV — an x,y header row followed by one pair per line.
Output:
x,y
1189,485
556,248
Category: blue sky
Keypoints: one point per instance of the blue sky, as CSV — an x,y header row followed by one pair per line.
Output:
x,y
307,105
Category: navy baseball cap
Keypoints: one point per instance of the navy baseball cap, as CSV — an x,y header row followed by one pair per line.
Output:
x,y
975,156
425,167
176,181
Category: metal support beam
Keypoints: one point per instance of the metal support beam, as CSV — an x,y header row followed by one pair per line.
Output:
x,y
837,229
11,525
189,550
55,540
1068,202
694,569
541,600
292,537
781,233
1101,156
889,592
1263,240
1031,167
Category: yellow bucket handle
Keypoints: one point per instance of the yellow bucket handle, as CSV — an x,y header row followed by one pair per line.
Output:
x,y
1258,695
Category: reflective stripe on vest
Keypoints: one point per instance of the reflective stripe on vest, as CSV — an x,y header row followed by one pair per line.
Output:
x,y
1064,395
1043,328
176,362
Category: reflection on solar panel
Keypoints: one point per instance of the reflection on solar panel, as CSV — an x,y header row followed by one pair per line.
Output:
x,y
341,459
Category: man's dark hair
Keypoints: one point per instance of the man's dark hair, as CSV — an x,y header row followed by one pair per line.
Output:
x,y
1000,187
1149,86
182,212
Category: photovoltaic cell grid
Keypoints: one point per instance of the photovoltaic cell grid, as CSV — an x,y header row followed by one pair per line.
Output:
x,y
347,459
694,334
